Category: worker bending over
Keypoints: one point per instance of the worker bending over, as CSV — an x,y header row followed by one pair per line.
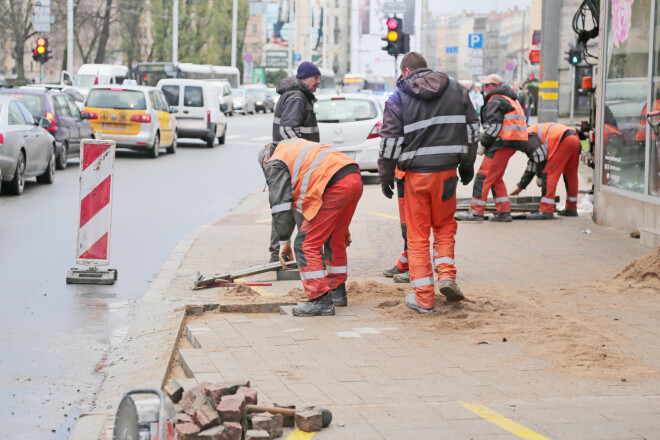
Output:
x,y
429,128
505,131
554,150
324,186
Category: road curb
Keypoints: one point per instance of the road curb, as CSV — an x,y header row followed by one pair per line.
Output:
x,y
144,358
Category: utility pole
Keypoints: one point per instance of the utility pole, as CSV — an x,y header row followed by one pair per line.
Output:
x,y
69,36
290,36
175,32
549,87
522,50
234,25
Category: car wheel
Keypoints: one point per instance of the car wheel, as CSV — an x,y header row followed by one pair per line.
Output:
x,y
172,148
63,157
155,148
17,184
48,176
221,139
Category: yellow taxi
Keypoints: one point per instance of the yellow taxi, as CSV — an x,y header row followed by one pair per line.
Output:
x,y
136,117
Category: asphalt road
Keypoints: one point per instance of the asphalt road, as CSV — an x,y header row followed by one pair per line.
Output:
x,y
56,337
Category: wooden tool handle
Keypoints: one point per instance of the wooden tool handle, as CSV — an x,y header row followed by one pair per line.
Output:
x,y
271,409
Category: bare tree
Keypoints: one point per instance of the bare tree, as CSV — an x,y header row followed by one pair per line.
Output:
x,y
15,20
105,33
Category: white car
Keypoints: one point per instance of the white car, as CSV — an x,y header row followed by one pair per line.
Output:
x,y
200,114
351,124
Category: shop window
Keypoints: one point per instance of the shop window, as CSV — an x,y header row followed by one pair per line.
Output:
x,y
654,165
626,86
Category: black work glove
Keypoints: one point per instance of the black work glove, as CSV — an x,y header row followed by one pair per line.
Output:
x,y
388,188
466,173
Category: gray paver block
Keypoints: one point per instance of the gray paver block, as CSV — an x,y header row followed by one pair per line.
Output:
x,y
195,361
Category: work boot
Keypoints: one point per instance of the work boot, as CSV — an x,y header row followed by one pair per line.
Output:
x,y
338,295
411,301
567,213
402,277
321,306
389,273
468,216
504,217
451,291
274,258
540,216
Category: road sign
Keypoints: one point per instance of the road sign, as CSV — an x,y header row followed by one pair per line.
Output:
x,y
394,8
247,57
509,66
41,3
452,49
476,41
41,19
297,58
41,27
41,10
278,59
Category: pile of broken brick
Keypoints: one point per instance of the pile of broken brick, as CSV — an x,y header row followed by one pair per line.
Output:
x,y
229,412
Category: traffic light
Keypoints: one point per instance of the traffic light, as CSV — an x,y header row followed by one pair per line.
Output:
x,y
397,41
41,53
574,55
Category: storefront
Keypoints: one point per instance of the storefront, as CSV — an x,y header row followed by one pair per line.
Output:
x,y
628,169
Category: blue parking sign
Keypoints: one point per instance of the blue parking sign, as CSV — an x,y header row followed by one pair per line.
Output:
x,y
476,41
297,57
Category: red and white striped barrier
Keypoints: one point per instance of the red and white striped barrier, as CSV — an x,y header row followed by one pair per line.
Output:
x,y
97,159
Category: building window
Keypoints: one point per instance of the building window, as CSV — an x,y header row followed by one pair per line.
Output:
x,y
254,28
255,48
626,88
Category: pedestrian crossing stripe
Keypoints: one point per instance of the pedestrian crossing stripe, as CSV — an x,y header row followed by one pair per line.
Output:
x,y
297,434
262,138
266,220
384,215
234,136
501,421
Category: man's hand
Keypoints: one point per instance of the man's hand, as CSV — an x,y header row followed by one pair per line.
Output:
x,y
387,187
516,191
466,173
347,238
286,254
481,150
539,181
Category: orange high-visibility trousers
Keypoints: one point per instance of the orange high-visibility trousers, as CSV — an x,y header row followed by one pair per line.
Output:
x,y
430,204
489,176
564,161
402,262
328,230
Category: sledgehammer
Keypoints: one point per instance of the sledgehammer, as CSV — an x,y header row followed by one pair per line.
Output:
x,y
326,415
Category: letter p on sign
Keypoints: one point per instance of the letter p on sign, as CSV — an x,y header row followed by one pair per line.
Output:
x,y
476,41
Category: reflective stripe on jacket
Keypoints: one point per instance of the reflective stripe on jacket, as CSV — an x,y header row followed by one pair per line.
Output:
x,y
294,116
311,166
551,134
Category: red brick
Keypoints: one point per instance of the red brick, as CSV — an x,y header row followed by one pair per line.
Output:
x,y
182,417
206,417
232,408
287,421
249,393
271,423
215,392
215,433
233,430
193,399
186,431
253,434
309,420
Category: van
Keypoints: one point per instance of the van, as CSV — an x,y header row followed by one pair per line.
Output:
x,y
90,75
200,114
223,88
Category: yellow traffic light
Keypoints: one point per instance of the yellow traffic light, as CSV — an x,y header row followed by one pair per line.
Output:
x,y
41,49
392,35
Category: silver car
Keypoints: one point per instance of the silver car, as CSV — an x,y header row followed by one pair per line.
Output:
x,y
26,148
243,102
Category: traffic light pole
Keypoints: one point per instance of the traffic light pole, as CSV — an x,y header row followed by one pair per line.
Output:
x,y
549,87
42,73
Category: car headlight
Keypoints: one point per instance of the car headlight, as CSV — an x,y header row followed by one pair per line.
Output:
x,y
259,103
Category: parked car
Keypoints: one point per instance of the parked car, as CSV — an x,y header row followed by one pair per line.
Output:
x,y
136,117
223,89
352,124
67,125
26,148
90,75
243,103
200,114
262,101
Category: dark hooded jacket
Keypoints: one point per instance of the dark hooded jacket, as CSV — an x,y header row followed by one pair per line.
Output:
x,y
492,117
294,114
429,125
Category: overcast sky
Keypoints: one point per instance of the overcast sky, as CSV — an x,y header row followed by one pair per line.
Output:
x,y
443,7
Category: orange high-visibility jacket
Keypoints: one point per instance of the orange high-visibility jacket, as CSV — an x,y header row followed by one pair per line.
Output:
x,y
311,166
514,125
550,134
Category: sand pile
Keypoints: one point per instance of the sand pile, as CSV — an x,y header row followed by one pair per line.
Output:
x,y
243,294
644,271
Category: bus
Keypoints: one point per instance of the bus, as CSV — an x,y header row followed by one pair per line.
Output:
x,y
327,81
149,74
359,82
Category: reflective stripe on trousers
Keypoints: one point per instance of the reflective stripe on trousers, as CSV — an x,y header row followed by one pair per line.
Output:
x,y
564,161
490,176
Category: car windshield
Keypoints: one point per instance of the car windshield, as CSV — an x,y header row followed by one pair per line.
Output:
x,y
258,94
119,99
345,110
238,93
35,103
88,80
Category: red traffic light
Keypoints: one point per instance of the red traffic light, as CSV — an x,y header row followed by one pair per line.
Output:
x,y
41,41
392,24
